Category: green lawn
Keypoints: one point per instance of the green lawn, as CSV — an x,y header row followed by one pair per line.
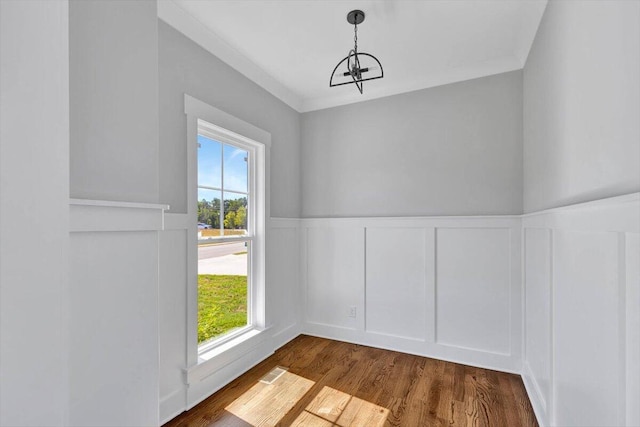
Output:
x,y
222,304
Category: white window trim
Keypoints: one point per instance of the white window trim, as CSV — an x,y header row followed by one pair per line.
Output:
x,y
227,128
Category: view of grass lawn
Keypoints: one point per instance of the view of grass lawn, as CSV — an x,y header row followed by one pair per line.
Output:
x,y
222,305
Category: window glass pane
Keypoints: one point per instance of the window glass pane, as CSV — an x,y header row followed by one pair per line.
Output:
x,y
209,162
209,225
235,213
235,168
222,289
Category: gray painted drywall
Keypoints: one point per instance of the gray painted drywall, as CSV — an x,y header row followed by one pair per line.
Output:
x,y
582,104
449,150
114,100
187,68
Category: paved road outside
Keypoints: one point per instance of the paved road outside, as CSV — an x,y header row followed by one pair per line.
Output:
x,y
220,249
220,259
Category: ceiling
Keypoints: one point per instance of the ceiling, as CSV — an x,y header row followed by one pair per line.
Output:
x,y
290,47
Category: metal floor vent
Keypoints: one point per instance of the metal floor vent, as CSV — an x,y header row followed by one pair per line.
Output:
x,y
273,375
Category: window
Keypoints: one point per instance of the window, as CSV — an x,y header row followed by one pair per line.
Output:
x,y
227,211
224,236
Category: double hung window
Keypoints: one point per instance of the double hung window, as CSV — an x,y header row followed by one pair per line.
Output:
x,y
230,200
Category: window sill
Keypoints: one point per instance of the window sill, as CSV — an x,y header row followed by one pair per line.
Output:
x,y
215,359
226,342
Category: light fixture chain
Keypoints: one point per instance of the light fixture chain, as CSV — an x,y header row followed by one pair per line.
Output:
x,y
355,37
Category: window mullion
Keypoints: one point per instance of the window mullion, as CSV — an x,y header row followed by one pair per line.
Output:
x,y
204,187
222,189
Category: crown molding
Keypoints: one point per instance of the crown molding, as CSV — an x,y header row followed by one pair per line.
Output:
x,y
448,76
187,24
174,15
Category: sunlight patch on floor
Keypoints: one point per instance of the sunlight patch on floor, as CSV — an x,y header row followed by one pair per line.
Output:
x,y
273,396
332,407
265,404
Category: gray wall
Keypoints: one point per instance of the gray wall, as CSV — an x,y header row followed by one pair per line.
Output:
x,y
185,67
113,70
582,104
449,150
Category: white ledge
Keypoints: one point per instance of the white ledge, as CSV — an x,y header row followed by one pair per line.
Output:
x,y
87,215
117,204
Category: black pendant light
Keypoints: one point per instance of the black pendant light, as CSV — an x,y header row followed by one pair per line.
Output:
x,y
356,67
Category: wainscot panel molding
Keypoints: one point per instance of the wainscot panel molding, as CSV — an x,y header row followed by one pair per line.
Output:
x,y
283,280
581,277
443,287
114,305
183,386
548,295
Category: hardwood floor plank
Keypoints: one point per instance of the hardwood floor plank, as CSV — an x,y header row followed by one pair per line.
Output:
x,y
337,384
307,419
522,403
435,389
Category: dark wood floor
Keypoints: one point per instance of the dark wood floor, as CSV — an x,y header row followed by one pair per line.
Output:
x,y
331,383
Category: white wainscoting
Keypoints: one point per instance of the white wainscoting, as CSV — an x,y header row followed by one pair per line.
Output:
x,y
473,289
554,296
173,318
282,314
398,282
444,287
113,313
537,297
582,313
283,280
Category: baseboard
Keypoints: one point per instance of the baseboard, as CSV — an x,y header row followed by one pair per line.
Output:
x,y
533,392
172,405
285,335
212,383
478,359
201,390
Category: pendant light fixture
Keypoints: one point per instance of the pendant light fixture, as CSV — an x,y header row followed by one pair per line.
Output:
x,y
356,67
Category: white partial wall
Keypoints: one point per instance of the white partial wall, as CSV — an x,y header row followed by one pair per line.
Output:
x,y
34,192
113,309
114,216
581,262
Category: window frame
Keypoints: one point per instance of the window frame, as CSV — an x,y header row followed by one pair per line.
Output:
x,y
227,129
